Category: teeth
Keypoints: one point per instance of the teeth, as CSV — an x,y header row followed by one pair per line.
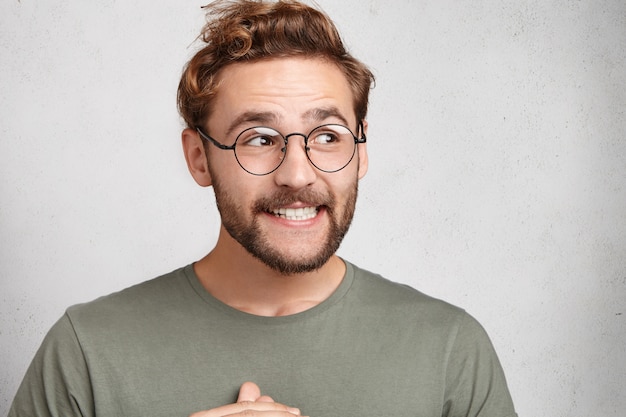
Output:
x,y
301,213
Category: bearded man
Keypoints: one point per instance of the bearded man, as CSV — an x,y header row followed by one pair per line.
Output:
x,y
271,322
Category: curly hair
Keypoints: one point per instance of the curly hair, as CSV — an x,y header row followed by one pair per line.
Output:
x,y
252,30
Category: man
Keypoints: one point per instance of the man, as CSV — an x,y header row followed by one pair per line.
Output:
x,y
275,111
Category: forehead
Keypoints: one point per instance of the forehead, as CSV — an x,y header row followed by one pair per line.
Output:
x,y
285,90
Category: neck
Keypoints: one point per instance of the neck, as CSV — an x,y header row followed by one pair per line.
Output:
x,y
236,278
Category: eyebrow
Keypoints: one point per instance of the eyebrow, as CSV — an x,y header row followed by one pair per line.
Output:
x,y
317,114
252,116
322,113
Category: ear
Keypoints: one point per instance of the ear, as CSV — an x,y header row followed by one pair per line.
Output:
x,y
362,150
196,158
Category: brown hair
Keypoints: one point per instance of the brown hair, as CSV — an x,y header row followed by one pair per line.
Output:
x,y
251,30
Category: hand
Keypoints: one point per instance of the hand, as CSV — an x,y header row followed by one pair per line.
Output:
x,y
251,403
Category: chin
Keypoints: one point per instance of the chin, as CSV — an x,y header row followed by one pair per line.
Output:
x,y
290,266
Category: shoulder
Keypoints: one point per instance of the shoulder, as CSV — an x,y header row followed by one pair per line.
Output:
x,y
397,307
400,306
144,300
380,292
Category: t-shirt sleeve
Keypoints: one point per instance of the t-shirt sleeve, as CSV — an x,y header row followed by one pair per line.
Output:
x,y
57,381
475,382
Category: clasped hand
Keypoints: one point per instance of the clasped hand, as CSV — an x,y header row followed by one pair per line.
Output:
x,y
251,403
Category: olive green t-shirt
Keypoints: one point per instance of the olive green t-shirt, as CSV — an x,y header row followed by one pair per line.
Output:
x,y
167,348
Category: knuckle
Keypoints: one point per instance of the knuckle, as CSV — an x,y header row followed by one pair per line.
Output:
x,y
245,405
245,409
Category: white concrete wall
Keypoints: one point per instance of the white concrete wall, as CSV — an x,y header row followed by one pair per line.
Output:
x,y
497,178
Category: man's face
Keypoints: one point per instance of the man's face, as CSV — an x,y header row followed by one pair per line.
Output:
x,y
294,218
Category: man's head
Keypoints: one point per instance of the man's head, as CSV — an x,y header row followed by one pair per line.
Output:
x,y
281,68
248,31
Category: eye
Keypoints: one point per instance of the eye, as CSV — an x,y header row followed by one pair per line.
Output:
x,y
325,138
331,136
259,141
259,137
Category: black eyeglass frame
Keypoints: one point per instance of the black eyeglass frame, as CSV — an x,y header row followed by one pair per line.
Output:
x,y
219,145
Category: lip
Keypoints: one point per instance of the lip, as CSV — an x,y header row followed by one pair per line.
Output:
x,y
302,215
296,212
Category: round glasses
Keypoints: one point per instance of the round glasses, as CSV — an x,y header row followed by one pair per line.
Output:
x,y
260,150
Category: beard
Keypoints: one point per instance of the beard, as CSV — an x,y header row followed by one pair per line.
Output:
x,y
251,237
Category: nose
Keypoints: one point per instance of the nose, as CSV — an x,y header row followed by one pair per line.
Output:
x,y
296,171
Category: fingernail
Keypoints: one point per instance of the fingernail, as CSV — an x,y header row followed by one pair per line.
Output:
x,y
294,411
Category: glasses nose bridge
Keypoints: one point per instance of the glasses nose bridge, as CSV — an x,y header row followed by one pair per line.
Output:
x,y
304,137
305,148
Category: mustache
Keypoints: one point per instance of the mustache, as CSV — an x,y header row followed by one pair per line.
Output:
x,y
284,198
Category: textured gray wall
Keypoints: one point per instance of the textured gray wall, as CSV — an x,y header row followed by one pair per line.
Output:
x,y
497,172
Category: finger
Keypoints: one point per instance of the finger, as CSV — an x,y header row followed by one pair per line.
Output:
x,y
264,408
249,391
249,408
265,399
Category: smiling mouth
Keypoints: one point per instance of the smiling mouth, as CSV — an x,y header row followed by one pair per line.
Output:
x,y
300,213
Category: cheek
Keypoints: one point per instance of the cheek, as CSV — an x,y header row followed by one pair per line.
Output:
x,y
345,187
225,170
